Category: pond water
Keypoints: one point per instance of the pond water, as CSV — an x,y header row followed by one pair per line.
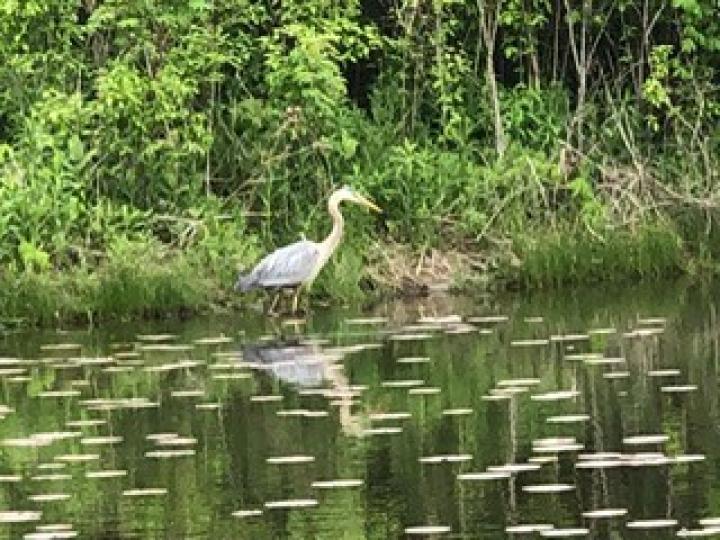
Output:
x,y
591,413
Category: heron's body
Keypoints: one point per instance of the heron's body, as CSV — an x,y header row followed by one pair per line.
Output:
x,y
288,266
298,264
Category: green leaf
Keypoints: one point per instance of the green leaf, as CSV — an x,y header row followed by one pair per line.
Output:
x,y
348,145
198,4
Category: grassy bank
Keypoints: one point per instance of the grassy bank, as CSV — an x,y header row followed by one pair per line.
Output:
x,y
133,280
148,280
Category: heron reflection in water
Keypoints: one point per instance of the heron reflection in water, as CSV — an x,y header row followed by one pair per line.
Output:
x,y
296,266
304,363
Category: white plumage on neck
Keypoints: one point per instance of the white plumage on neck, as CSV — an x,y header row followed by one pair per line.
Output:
x,y
331,243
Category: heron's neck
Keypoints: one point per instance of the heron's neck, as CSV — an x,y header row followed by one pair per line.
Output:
x,y
335,235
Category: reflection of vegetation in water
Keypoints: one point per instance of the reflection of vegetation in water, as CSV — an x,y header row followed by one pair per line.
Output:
x,y
229,470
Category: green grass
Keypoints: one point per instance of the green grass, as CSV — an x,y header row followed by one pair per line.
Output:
x,y
554,258
139,280
146,279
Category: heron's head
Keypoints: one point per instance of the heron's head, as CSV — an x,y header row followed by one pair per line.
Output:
x,y
346,193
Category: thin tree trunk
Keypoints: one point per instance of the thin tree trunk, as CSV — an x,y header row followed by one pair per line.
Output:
x,y
534,69
642,52
497,118
489,16
648,25
439,45
556,41
579,53
207,156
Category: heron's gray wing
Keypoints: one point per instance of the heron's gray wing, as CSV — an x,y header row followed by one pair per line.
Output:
x,y
290,265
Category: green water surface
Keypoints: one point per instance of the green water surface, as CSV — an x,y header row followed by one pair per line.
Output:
x,y
333,375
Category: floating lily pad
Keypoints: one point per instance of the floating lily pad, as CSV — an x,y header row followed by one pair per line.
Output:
x,y
446,458
645,439
291,503
289,460
19,516
548,488
163,454
529,342
388,430
413,360
457,412
568,419
427,529
144,492
661,523
247,513
679,388
424,390
487,475
528,528
557,395
108,473
404,383
605,513
699,533
49,497
339,483
569,532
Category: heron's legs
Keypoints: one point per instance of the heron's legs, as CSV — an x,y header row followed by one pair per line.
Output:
x,y
295,299
274,303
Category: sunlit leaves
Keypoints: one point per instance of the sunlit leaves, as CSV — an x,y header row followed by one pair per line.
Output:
x,y
689,6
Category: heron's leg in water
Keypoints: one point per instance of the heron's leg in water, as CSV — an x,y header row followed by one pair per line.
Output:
x,y
295,299
274,303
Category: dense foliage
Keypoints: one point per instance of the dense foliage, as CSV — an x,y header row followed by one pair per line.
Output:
x,y
216,127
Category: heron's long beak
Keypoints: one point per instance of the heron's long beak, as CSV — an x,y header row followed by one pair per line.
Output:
x,y
368,203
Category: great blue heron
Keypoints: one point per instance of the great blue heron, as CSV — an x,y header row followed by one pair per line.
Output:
x,y
297,265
